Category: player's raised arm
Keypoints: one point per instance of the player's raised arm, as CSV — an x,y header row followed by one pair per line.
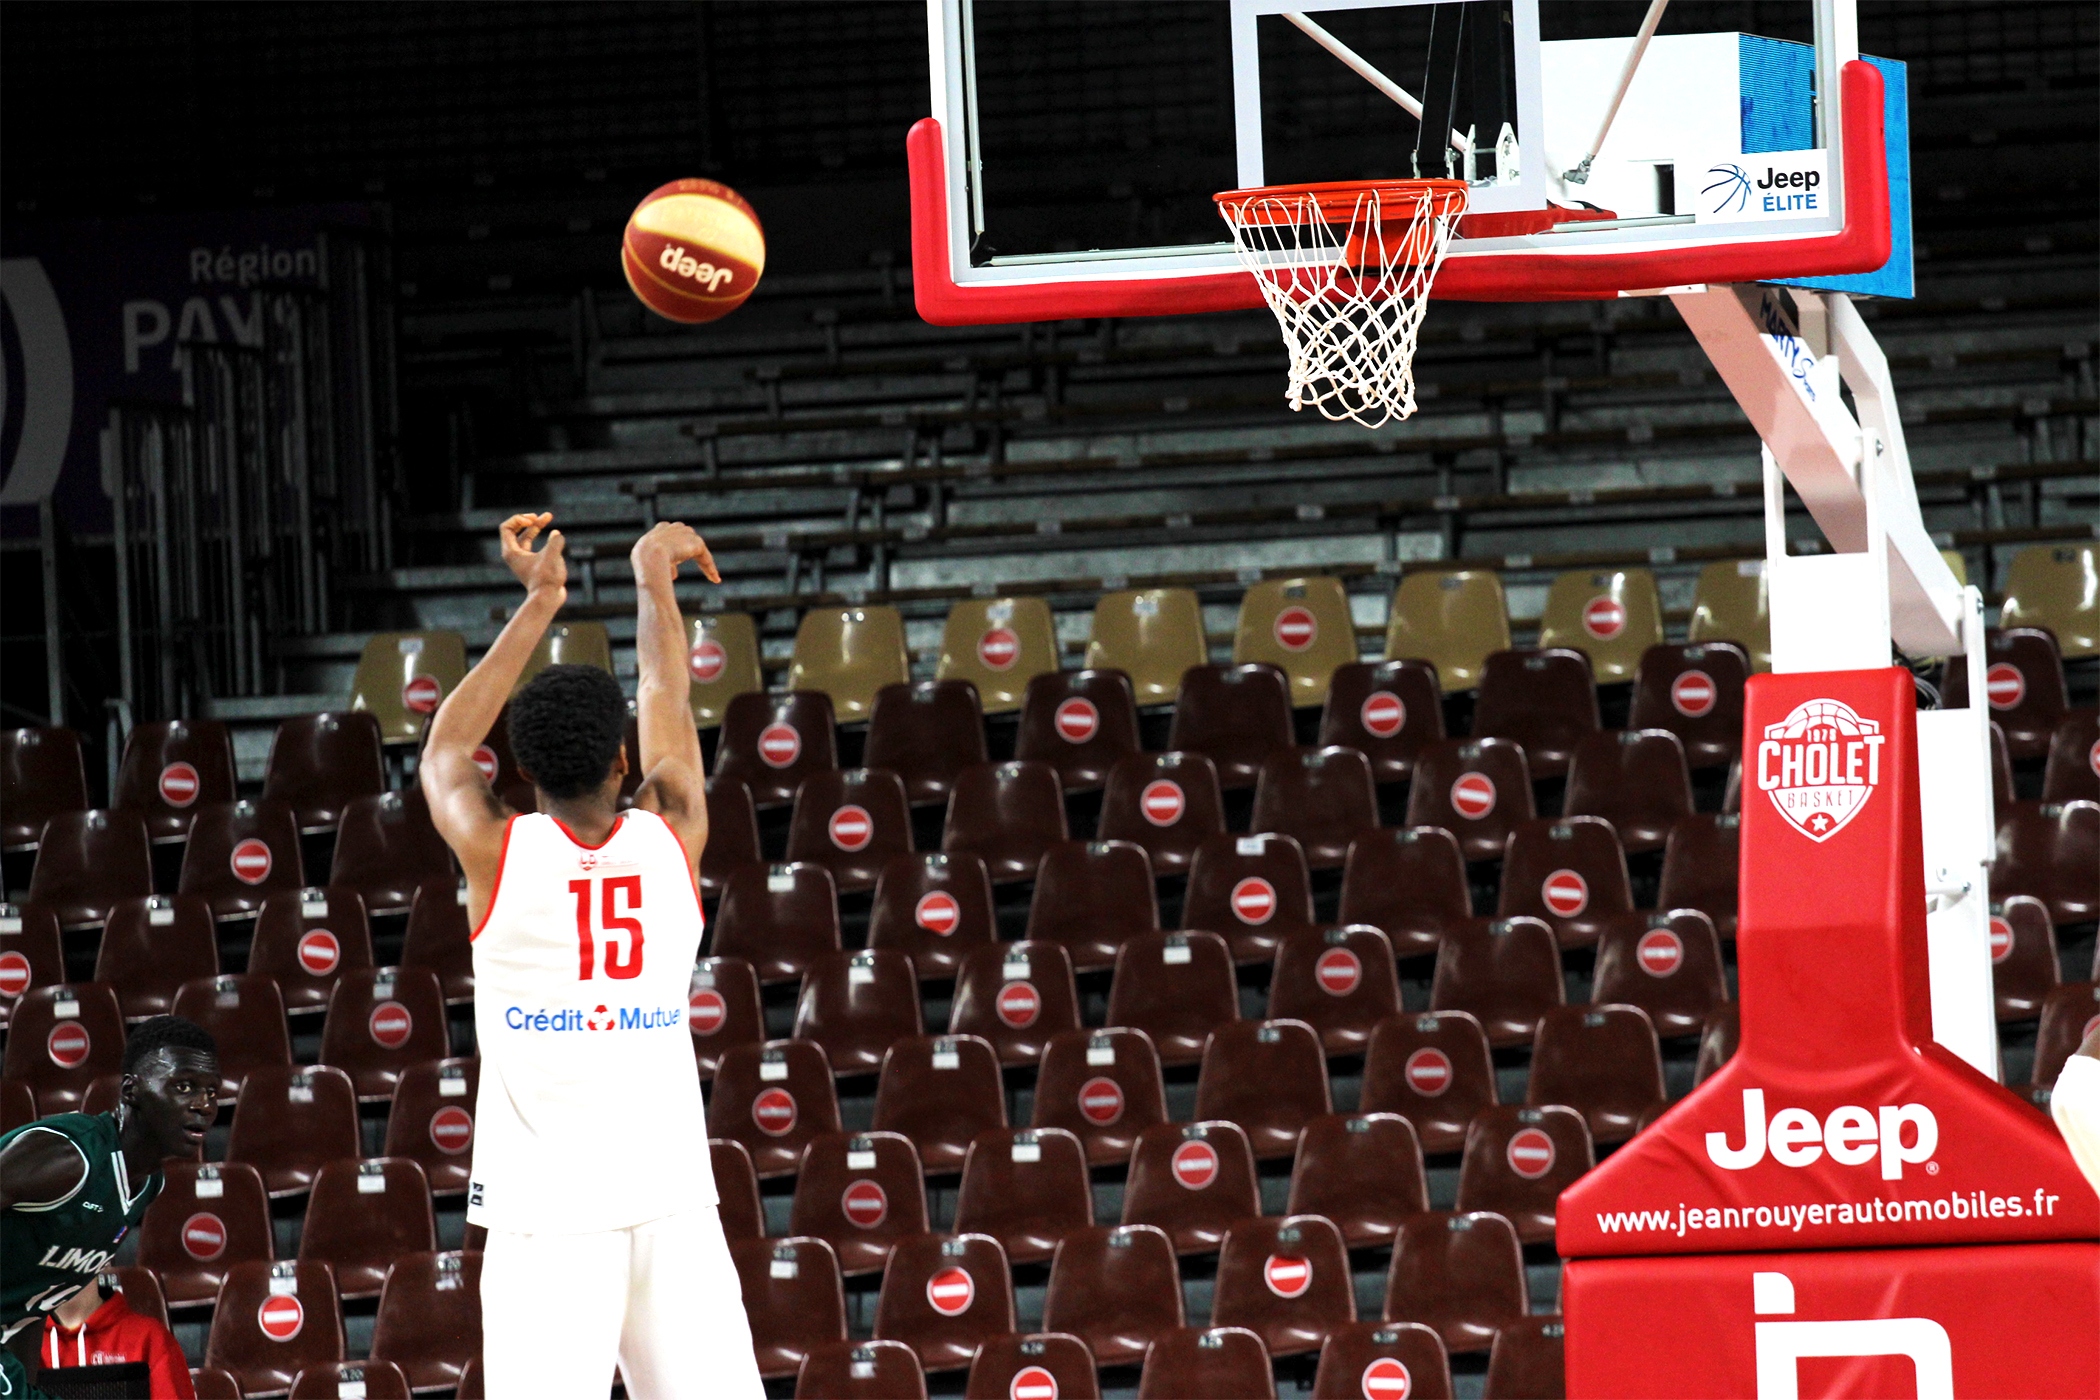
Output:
x,y
467,812
674,780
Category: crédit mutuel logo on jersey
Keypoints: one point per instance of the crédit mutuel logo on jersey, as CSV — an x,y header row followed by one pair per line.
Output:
x,y
1820,765
557,1019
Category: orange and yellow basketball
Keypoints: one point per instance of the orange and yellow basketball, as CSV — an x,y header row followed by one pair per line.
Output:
x,y
693,251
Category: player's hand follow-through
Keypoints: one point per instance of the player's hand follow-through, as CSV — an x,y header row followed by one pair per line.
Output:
x,y
658,554
546,569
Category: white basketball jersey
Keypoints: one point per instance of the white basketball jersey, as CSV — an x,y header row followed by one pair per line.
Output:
x,y
590,1115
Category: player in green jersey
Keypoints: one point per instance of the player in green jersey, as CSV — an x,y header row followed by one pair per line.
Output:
x,y
72,1185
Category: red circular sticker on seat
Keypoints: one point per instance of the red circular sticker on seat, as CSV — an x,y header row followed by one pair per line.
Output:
x,y
707,661
2005,685
391,1024
1473,795
1660,951
706,1010
251,861
1566,893
1339,972
774,1112
1428,1071
452,1130
1101,1101
319,952
1387,1378
1254,900
14,974
852,828
1019,1003
2092,758
180,784
1077,720
999,649
1287,1275
1162,802
1195,1164
204,1236
280,1317
1693,694
2001,940
937,912
422,694
485,760
1604,617
1530,1153
1032,1383
865,1203
1296,628
68,1044
779,745
951,1291
1383,714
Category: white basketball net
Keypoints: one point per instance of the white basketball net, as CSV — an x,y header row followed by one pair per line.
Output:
x,y
1350,329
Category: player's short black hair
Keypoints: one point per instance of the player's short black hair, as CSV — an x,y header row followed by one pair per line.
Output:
x,y
566,728
166,1033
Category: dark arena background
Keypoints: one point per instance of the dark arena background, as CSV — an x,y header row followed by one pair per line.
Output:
x,y
301,301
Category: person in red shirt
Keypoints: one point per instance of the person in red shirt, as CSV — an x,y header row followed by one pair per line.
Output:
x,y
97,1327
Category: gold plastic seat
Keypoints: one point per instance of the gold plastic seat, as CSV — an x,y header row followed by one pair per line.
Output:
x,y
1151,635
1611,615
849,654
1302,625
1728,605
2056,586
998,645
1451,618
722,658
569,644
402,677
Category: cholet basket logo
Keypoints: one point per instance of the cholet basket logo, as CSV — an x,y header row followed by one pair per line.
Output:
x,y
1820,765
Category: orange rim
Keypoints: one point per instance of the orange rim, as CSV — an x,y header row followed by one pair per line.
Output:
x,y
1398,199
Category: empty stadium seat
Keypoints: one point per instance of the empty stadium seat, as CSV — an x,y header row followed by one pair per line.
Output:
x,y
1459,1272
380,1021
375,1380
773,1098
568,644
1504,973
1717,1042
2024,678
212,1383
1435,1071
1383,1359
941,1092
245,1016
723,1009
306,940
1322,797
438,937
290,1120
1452,619
1269,1077
855,1004
470,1382
1388,711
272,1321
1192,1180
1601,1060
736,1190
1611,617
1694,690
1286,1279
1207,1363
722,662
1090,897
241,853
849,654
319,763
870,1370
860,1193
31,952
362,1216
1408,882
1340,981
1177,988
1079,722
1363,1171
431,1121
2051,585
2067,1017
1667,963
402,677
2051,850
208,1217
1006,814
942,1295
1545,700
385,846
1027,1188
778,918
934,907
1151,635
1303,627
1015,996
429,1320
771,742
2072,773
151,946
1729,604
850,821
926,733
1103,1087
1569,874
2024,966
1048,1364
140,1289
1636,779
1255,890
1518,1161
172,767
17,1104
87,862
1527,1360
998,645
1476,789
1117,1288
41,775
732,833
1236,716
1699,868
793,1297
499,766
1167,803
61,1038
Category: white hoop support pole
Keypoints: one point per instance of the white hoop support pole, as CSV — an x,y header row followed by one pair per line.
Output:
x,y
1580,175
1363,69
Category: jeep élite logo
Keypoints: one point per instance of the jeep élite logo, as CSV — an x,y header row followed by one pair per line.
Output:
x,y
1820,765
1851,1136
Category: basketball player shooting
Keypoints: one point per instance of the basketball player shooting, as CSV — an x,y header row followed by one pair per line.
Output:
x,y
591,1169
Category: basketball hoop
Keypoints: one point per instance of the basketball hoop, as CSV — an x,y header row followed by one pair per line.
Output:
x,y
1347,268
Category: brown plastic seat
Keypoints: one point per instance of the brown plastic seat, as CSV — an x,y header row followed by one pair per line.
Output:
x,y
941,1092
1117,1288
2051,850
172,767
60,1055
926,733
307,939
1255,890
1192,1180
850,821
998,646
208,1217
1527,1360
933,907
211,1383
402,678
1730,603
438,937
850,654
1388,711
723,1009
1006,814
1476,789
778,918
1027,1188
1717,1042
1270,1077
290,1120
1407,882
1504,973
1612,617
1090,898
1453,619
241,853
1381,1359
793,1297
245,1016
1694,690
2072,773
1435,1071
1015,996
1699,868
380,1021
1341,981
1518,1161
431,1121
319,763
88,862
870,1370
385,846
1459,1272
151,946
1082,723
861,1193
1152,635
1169,803
2067,1016
722,663
17,1104
499,766
1635,779
1324,798
1177,988
362,1216
1303,627
855,1004
1286,1279
376,1380
430,1316
1035,1364
1103,1087
942,1295
1236,716
2002,794
31,952
1667,963
252,1314
41,775
1569,874
1601,1060
2024,678
1207,1363
736,1190
1544,700
732,834
773,1098
2024,966
771,742
1363,1171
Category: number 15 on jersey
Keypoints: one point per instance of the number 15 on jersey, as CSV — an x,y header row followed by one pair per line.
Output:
x,y
606,907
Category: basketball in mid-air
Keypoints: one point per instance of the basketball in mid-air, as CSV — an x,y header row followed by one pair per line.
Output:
x,y
693,251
